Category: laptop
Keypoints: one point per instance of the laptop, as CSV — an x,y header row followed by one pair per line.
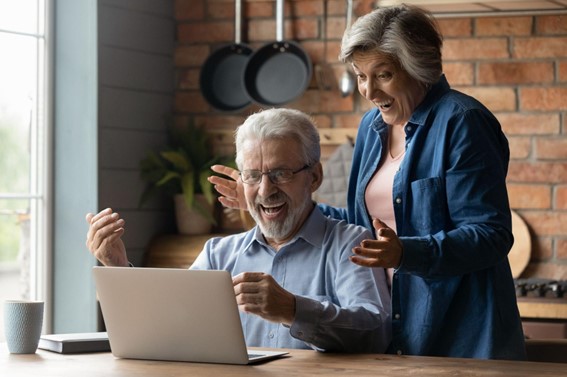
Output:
x,y
173,314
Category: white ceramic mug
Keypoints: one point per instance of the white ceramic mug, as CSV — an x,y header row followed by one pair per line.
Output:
x,y
23,321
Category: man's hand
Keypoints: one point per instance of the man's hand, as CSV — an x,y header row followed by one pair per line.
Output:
x,y
104,238
386,251
230,190
258,293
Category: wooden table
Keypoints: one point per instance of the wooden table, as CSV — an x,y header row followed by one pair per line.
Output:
x,y
299,363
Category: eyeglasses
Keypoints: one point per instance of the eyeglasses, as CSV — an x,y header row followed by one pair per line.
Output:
x,y
276,176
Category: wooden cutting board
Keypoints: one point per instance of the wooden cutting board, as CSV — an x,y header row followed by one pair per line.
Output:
x,y
520,253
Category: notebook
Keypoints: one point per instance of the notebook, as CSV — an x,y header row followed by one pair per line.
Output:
x,y
75,343
173,314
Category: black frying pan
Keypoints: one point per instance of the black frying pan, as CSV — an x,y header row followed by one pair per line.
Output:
x,y
221,76
278,72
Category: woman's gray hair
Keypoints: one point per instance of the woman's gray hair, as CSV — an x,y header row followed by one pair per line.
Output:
x,y
278,124
407,34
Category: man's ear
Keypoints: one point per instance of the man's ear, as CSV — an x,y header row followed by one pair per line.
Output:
x,y
317,176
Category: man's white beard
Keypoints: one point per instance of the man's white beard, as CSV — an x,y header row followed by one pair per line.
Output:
x,y
278,230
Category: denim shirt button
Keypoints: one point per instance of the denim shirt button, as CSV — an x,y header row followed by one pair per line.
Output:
x,y
398,200
397,316
399,352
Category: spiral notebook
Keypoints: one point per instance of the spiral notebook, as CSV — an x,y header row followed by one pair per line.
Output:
x,y
173,314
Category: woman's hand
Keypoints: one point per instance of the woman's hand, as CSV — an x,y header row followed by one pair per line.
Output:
x,y
386,251
231,190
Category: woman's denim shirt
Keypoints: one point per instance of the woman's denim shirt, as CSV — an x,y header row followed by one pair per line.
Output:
x,y
453,293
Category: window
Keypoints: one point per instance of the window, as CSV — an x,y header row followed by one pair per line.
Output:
x,y
24,150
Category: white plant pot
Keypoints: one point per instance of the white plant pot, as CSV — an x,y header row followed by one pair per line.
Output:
x,y
189,221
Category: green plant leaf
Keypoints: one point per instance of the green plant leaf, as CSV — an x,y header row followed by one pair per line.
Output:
x,y
178,159
167,177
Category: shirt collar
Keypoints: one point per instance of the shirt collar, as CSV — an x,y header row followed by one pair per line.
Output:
x,y
311,231
438,90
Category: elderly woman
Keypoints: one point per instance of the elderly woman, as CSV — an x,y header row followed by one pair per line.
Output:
x,y
429,178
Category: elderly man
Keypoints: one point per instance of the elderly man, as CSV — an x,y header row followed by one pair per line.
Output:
x,y
294,283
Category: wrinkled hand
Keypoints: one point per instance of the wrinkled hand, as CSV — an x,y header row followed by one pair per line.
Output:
x,y
230,190
258,293
104,238
386,251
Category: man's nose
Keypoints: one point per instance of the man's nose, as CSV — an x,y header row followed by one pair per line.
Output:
x,y
266,187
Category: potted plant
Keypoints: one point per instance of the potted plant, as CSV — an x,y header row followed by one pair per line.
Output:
x,y
181,170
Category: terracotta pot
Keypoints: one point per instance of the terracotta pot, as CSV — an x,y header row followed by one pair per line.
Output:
x,y
189,221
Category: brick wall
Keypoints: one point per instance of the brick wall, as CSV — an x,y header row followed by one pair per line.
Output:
x,y
516,65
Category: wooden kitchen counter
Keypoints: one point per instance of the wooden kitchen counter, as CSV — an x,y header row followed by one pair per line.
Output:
x,y
302,363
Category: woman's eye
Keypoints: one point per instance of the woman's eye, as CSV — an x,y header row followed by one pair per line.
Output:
x,y
384,76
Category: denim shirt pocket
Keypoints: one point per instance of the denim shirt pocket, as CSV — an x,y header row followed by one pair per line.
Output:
x,y
428,205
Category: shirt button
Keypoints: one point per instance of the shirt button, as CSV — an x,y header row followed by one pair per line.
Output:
x,y
408,128
397,316
271,335
398,200
399,352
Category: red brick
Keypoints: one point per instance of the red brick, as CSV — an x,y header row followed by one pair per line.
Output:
x,y
543,99
507,26
335,27
495,98
258,10
562,76
455,27
529,124
543,47
206,32
547,270
528,196
347,120
190,56
323,121
475,49
221,122
317,101
188,79
190,102
520,147
305,8
220,10
553,24
542,249
537,172
459,73
560,197
561,248
515,73
551,148
547,223
189,9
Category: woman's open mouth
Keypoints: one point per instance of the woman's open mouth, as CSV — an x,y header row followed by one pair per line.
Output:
x,y
384,105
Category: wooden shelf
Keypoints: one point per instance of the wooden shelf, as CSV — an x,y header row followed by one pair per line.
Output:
x,y
548,309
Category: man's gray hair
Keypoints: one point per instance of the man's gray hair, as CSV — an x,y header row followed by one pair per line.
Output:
x,y
278,124
407,34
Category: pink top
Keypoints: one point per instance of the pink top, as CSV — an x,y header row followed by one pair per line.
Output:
x,y
378,196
